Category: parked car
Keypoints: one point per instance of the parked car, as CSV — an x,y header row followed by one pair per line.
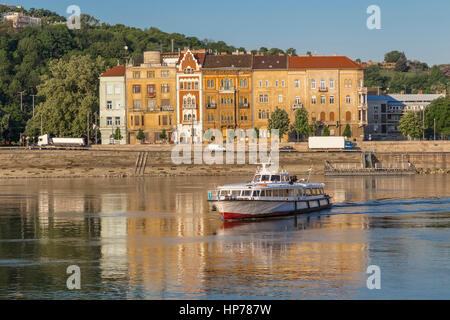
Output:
x,y
287,149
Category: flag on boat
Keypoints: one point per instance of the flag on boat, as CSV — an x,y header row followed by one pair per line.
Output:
x,y
309,170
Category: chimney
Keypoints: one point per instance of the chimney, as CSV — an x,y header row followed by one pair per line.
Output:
x,y
437,91
335,55
444,92
402,92
223,53
420,92
281,54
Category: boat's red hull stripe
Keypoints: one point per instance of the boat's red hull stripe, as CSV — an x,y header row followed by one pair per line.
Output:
x,y
235,216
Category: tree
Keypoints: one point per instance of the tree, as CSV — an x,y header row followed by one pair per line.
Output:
x,y
163,135
279,120
326,132
410,125
394,56
141,136
257,133
118,135
291,51
313,128
70,95
401,64
301,123
439,110
348,131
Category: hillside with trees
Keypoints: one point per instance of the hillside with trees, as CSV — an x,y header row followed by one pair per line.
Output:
x,y
408,76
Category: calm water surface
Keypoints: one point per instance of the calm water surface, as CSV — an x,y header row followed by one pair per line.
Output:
x,y
155,238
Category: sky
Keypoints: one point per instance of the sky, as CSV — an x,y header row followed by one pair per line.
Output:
x,y
419,28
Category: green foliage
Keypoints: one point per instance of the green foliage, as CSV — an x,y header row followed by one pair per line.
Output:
x,y
313,129
348,131
141,136
70,94
411,125
394,56
291,51
301,122
163,135
439,109
279,120
118,134
326,132
256,133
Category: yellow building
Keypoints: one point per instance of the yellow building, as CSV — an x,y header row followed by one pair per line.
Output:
x,y
151,97
227,83
270,89
331,89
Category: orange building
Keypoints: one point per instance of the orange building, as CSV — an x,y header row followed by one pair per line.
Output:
x,y
227,83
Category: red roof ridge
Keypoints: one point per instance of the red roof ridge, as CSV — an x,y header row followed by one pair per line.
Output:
x,y
117,71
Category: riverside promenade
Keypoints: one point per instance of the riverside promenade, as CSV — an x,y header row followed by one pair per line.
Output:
x,y
120,161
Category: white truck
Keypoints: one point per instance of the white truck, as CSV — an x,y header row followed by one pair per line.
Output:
x,y
329,143
46,140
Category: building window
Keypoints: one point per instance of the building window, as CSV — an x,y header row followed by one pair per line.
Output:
x,y
109,89
282,83
323,100
322,116
297,100
137,75
331,99
260,83
313,84
196,85
348,116
109,121
331,116
165,74
244,83
150,74
313,100
151,104
297,83
331,83
117,90
267,83
137,104
165,88
109,105
280,98
348,99
136,120
151,90
136,89
117,121
276,83
322,84
263,98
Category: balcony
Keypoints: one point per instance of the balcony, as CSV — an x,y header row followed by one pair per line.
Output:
x,y
363,123
362,90
297,106
363,106
227,89
244,105
167,109
190,106
323,89
151,94
211,106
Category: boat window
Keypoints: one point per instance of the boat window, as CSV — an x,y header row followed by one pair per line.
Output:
x,y
276,193
285,178
257,178
322,191
269,193
246,193
308,192
265,178
263,193
256,193
236,193
299,192
276,179
223,193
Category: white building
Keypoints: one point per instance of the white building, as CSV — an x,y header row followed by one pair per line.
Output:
x,y
113,105
385,112
19,20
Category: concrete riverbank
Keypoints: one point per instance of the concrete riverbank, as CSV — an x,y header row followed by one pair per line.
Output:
x,y
121,162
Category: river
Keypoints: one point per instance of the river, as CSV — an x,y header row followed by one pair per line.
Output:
x,y
155,238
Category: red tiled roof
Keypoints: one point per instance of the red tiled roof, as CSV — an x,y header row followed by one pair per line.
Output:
x,y
323,62
199,55
228,61
117,71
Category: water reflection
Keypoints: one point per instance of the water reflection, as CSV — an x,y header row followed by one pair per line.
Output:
x,y
156,239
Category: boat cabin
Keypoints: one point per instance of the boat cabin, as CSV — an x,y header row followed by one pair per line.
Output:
x,y
265,193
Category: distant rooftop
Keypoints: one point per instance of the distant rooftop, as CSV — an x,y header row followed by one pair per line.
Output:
x,y
117,71
407,97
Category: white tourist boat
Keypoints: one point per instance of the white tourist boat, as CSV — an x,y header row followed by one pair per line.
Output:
x,y
271,193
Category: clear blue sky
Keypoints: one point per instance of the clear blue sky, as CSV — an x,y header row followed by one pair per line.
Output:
x,y
421,28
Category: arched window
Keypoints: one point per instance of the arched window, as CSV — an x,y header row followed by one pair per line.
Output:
x,y
331,116
322,116
348,99
313,84
348,116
